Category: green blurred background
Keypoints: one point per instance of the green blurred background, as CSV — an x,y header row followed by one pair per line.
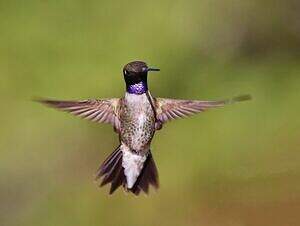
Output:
x,y
235,166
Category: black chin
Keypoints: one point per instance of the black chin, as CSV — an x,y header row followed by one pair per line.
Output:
x,y
131,79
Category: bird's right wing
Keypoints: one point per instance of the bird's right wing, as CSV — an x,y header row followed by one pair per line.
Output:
x,y
104,110
169,109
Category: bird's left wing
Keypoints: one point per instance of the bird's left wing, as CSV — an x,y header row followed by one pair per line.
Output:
x,y
168,109
104,110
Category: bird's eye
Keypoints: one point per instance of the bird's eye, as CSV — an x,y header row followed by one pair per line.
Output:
x,y
144,69
125,72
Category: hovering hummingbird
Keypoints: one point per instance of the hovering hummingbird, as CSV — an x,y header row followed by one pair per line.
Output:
x,y
135,117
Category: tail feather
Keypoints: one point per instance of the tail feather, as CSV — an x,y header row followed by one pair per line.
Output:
x,y
109,162
118,180
112,171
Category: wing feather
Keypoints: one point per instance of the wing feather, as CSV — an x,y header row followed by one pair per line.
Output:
x,y
169,109
104,110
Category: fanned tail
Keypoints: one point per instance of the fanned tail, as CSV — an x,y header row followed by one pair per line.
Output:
x,y
112,171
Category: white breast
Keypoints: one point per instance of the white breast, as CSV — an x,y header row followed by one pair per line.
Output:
x,y
139,105
137,100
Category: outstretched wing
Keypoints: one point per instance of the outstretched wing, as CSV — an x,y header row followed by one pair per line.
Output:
x,y
168,109
105,110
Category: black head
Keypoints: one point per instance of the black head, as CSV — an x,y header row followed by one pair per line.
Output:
x,y
136,72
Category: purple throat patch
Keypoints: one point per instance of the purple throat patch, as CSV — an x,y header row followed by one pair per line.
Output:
x,y
138,88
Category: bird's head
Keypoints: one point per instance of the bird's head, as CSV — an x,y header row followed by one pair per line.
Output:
x,y
135,75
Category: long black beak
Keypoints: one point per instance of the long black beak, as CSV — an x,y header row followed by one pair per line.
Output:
x,y
153,69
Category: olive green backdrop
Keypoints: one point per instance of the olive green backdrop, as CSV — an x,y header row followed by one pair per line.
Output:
x,y
235,166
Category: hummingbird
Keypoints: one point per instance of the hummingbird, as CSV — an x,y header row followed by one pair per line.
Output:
x,y
135,117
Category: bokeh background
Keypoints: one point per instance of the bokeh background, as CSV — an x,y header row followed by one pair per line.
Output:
x,y
235,166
